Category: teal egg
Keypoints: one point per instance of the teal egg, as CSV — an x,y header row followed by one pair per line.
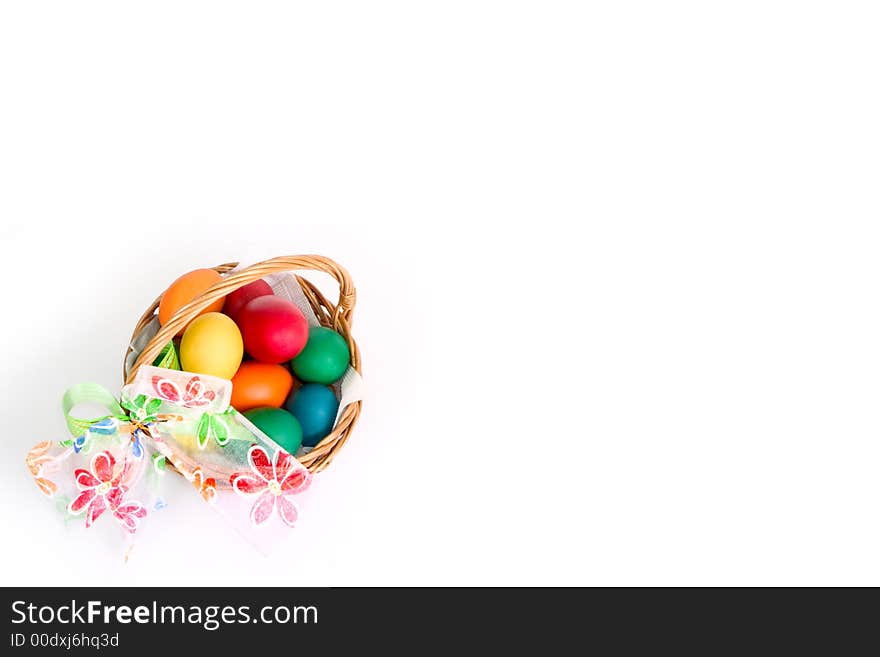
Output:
x,y
279,425
315,406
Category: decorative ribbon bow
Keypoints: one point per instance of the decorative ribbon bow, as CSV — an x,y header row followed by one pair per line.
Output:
x,y
166,416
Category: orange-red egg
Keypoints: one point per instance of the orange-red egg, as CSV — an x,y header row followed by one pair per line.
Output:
x,y
260,384
185,289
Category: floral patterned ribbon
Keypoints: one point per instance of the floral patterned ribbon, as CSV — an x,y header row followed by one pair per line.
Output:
x,y
112,464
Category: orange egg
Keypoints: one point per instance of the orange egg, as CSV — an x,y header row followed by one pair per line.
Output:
x,y
185,289
260,384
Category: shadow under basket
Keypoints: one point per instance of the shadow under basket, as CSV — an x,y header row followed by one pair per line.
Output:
x,y
336,316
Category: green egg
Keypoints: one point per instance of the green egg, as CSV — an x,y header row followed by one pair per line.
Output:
x,y
324,358
279,425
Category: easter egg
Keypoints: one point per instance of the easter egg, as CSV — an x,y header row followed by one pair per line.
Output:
x,y
324,358
260,384
185,289
211,345
273,329
279,425
237,299
315,406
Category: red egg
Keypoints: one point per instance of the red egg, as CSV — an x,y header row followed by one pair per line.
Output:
x,y
238,299
273,329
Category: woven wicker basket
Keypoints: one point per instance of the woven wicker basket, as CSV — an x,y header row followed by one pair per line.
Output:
x,y
338,317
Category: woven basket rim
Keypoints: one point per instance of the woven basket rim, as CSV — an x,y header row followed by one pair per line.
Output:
x,y
337,316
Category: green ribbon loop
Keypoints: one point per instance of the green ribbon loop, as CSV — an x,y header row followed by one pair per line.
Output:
x,y
88,393
167,358
141,409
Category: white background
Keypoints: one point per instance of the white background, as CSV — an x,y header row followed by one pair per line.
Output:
x,y
617,267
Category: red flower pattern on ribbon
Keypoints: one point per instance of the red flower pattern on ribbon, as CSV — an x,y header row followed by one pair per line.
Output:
x,y
273,481
102,489
195,394
129,515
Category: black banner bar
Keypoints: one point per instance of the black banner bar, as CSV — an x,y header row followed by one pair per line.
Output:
x,y
250,620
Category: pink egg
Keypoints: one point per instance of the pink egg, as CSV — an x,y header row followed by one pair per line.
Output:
x,y
273,329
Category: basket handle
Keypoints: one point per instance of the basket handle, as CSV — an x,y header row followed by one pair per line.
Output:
x,y
341,312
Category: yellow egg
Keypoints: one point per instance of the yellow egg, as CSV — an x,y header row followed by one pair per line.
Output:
x,y
212,345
